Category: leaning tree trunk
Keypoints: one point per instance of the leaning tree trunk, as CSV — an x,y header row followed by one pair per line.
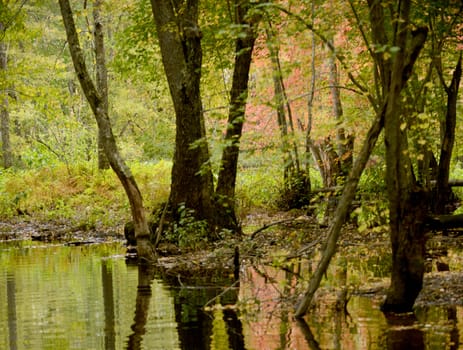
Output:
x,y
341,213
238,95
180,42
448,139
142,232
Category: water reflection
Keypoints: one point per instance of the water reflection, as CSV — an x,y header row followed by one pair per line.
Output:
x,y
309,338
145,277
441,324
402,332
88,298
11,299
108,302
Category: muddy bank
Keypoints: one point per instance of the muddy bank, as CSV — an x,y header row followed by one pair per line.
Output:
x,y
53,231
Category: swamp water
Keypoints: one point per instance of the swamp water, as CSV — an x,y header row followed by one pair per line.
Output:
x,y
87,297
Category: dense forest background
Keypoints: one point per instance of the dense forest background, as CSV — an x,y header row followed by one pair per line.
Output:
x,y
326,78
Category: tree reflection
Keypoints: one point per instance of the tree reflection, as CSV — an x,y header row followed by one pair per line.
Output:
x,y
108,300
308,336
402,332
234,329
145,278
454,334
446,319
12,320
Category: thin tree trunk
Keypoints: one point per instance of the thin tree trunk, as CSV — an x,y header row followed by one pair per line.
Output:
x,y
344,144
448,138
288,160
310,102
101,76
4,112
238,97
142,232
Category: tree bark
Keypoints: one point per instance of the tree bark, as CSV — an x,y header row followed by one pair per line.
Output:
x,y
310,103
238,96
180,42
101,76
407,201
4,112
344,143
284,116
448,138
142,232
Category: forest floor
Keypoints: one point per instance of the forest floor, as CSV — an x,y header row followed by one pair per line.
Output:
x,y
279,239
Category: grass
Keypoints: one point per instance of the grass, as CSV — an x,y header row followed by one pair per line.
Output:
x,y
82,195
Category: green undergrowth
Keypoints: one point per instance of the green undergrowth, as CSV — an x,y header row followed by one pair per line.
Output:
x,y
79,194
89,198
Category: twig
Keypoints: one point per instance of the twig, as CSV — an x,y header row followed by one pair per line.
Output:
x,y
306,248
266,226
223,292
157,235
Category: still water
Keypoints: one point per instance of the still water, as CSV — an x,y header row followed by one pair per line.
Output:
x,y
87,297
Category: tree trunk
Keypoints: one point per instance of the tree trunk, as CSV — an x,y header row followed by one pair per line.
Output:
x,y
407,202
180,42
289,148
238,96
142,232
4,113
344,143
448,139
310,103
101,76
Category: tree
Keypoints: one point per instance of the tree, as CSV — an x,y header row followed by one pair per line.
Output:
x,y
97,104
244,45
180,42
391,72
294,181
4,113
9,19
445,23
101,76
407,200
